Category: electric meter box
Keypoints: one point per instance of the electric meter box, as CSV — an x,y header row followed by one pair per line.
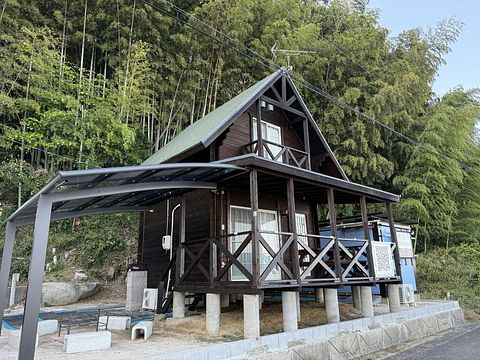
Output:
x,y
167,242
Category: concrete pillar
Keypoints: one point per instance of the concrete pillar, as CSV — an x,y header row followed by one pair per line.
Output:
x,y
367,301
13,288
299,312
136,283
357,298
251,316
289,310
319,298
233,298
331,305
178,305
393,297
213,314
225,299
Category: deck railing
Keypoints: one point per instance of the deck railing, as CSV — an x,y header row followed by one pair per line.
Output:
x,y
210,261
280,153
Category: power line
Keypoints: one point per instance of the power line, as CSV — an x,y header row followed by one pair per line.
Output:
x,y
268,63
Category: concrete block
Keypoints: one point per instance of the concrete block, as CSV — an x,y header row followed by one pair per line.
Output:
x,y
331,329
216,352
46,327
284,339
371,341
305,335
136,283
143,327
14,339
116,322
87,341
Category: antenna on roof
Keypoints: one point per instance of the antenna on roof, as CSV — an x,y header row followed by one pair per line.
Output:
x,y
289,53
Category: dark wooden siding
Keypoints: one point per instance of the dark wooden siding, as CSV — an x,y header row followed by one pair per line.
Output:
x,y
197,225
240,132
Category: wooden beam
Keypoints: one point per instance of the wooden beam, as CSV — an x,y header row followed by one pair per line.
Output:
x,y
283,106
291,100
255,227
259,128
306,140
333,227
292,225
284,89
393,234
366,234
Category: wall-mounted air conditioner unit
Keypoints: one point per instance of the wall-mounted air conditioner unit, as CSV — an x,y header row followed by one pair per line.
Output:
x,y
407,295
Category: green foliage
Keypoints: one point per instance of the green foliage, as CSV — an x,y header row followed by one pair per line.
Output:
x,y
456,271
107,82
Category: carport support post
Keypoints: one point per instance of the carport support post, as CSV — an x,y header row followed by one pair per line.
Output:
x,y
35,278
6,263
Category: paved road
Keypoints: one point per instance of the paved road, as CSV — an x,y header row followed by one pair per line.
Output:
x,y
462,343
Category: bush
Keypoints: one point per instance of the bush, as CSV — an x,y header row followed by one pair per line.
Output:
x,y
456,270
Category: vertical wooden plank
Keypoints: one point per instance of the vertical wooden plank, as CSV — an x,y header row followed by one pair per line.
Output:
x,y
259,128
333,227
393,234
255,227
284,90
292,224
306,140
366,234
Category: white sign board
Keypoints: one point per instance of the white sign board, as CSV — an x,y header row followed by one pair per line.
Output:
x,y
405,244
383,259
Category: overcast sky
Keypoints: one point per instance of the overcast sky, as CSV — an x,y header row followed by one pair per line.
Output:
x,y
463,63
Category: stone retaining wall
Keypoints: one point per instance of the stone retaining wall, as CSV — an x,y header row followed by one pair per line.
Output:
x,y
345,340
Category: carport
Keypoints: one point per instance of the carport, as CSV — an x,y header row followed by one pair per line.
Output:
x,y
90,192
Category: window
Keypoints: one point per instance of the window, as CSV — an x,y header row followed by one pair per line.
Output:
x,y
240,220
271,133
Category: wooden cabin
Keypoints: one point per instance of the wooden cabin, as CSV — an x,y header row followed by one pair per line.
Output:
x,y
259,230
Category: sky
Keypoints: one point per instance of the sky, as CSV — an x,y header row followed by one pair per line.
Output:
x,y
463,63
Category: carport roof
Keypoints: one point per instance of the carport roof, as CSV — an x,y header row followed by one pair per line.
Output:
x,y
121,189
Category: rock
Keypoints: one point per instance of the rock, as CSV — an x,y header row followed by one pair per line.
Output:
x,y
110,273
80,276
88,289
64,293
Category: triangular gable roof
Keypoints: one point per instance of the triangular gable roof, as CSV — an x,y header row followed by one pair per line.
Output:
x,y
207,129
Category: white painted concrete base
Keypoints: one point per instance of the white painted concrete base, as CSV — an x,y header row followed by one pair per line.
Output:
x,y
251,316
116,322
144,328
87,341
46,327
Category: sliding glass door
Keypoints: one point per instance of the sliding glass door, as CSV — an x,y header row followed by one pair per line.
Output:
x,y
240,220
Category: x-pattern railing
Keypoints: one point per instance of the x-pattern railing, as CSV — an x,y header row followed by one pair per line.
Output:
x,y
352,251
318,255
286,154
277,257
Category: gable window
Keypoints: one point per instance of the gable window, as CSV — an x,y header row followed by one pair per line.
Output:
x,y
272,136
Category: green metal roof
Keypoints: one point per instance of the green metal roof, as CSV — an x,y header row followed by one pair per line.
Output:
x,y
198,132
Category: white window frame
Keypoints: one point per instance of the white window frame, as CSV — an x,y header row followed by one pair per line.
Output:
x,y
280,135
243,278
